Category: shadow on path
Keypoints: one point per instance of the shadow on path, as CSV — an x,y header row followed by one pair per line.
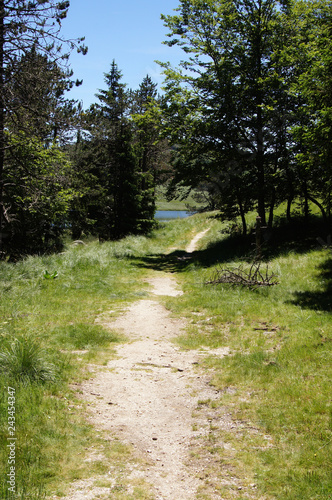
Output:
x,y
288,238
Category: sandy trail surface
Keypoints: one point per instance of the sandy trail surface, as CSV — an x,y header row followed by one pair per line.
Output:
x,y
193,244
147,395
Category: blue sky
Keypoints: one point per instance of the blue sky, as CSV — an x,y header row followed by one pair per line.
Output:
x,y
129,31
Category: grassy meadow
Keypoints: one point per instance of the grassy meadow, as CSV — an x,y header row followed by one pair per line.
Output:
x,y
163,203
275,383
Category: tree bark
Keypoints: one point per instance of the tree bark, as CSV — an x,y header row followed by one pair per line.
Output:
x,y
259,129
271,212
243,215
306,204
319,205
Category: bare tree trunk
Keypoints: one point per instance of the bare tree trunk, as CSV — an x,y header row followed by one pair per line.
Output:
x,y
271,212
258,238
259,131
289,206
243,215
306,204
320,206
260,169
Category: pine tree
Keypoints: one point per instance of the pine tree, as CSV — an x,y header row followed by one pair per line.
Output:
x,y
146,120
26,25
117,212
36,89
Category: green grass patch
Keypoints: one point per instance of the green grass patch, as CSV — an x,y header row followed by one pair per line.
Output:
x,y
163,203
83,336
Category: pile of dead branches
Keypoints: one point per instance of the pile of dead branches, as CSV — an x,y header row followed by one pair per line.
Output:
x,y
252,278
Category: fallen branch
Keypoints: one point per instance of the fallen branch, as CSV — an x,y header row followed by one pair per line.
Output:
x,y
252,278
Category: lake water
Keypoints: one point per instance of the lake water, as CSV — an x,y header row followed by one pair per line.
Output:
x,y
171,214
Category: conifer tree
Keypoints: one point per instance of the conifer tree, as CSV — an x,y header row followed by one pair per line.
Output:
x,y
26,25
146,120
36,91
117,212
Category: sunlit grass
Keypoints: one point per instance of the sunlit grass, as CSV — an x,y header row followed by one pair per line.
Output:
x,y
176,204
25,361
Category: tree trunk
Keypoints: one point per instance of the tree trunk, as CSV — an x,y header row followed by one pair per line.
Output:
x,y
260,170
259,128
271,212
242,214
306,205
319,205
289,206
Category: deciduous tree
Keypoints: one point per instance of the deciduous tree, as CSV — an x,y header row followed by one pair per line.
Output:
x,y
38,195
312,130
224,102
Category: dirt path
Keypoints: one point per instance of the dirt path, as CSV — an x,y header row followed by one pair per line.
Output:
x,y
193,244
147,397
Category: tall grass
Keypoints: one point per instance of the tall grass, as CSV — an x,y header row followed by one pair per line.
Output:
x,y
24,360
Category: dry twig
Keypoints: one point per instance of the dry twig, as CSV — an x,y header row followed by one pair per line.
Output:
x,y
253,278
